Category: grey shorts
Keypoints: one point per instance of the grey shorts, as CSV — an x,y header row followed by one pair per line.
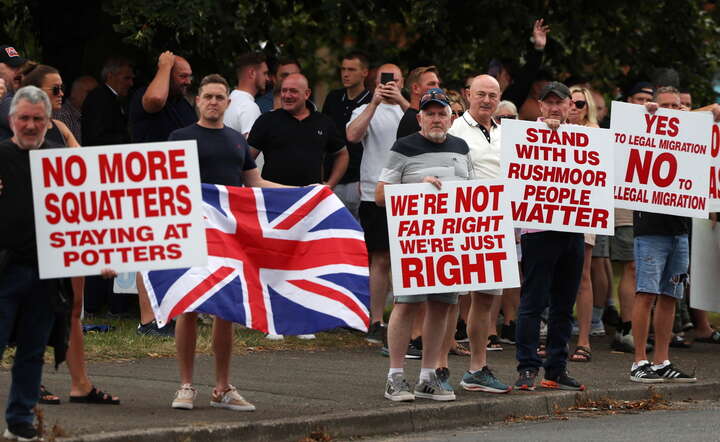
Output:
x,y
602,247
447,298
622,245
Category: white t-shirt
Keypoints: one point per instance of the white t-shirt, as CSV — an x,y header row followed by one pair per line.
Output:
x,y
378,140
242,112
485,155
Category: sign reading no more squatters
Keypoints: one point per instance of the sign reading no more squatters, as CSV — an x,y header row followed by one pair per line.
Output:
x,y
125,207
559,179
662,160
455,239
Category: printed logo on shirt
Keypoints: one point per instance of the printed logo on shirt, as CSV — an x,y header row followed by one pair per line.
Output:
x,y
320,132
11,52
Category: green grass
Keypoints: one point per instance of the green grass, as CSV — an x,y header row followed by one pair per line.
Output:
x,y
124,343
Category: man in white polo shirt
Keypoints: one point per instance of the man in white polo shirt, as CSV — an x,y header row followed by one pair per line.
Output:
x,y
252,76
482,135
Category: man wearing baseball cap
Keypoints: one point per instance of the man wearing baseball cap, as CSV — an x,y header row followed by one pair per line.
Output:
x,y
552,265
430,156
10,63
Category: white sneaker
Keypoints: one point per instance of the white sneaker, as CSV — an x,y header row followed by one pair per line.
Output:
x,y
306,337
184,397
231,400
274,337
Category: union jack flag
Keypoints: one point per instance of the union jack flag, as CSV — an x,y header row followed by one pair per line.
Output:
x,y
284,261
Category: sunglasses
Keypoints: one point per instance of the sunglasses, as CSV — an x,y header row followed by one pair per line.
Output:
x,y
506,117
457,113
436,96
56,90
580,104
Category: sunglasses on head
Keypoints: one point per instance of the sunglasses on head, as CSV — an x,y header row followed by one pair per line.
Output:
x,y
435,95
580,103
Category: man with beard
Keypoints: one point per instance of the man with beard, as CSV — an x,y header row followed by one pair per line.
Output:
x,y
252,76
419,158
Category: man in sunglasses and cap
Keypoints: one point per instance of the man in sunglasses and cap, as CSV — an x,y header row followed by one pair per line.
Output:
x,y
429,156
552,265
10,64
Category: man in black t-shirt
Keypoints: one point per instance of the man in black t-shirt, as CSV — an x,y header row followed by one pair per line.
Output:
x,y
224,159
419,81
296,138
339,105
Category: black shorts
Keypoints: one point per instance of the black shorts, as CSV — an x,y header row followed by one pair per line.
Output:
x,y
374,222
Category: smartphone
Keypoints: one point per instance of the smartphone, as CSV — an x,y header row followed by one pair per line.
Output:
x,y
386,77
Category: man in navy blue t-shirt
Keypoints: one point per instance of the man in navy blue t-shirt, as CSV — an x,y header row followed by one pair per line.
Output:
x,y
224,159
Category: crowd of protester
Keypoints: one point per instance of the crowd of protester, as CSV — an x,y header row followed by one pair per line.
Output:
x,y
381,127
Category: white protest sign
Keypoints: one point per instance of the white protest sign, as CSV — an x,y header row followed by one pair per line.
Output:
x,y
714,202
662,160
125,207
455,239
704,261
559,179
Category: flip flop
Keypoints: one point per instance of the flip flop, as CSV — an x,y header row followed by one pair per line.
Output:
x,y
95,397
581,354
47,398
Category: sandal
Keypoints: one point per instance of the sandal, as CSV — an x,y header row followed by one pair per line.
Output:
x,y
459,350
714,338
47,398
582,354
95,397
541,351
494,343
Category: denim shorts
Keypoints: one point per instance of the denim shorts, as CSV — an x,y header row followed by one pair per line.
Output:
x,y
662,264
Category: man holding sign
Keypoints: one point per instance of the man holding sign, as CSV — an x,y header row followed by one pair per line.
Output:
x,y
426,156
552,265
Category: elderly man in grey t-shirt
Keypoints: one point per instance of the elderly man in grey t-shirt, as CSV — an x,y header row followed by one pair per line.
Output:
x,y
429,156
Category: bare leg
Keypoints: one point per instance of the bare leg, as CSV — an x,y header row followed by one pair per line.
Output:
x,y
600,280
379,283
436,315
399,330
703,329
510,303
478,319
663,324
146,312
222,348
185,340
641,323
449,340
626,292
494,313
584,301
464,303
419,320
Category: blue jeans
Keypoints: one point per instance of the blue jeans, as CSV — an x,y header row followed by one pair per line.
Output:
x,y
25,307
552,265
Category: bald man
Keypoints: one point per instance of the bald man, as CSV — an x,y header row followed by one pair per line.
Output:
x,y
375,126
296,138
70,112
477,128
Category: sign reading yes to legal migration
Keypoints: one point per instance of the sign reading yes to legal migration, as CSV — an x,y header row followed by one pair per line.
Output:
x,y
455,239
125,207
662,160
559,179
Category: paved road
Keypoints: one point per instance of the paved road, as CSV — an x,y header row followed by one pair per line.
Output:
x,y
698,422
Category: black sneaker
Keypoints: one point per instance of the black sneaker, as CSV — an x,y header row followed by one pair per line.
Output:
x,y
377,333
611,317
645,374
152,329
507,333
671,374
22,431
526,380
563,381
461,332
414,350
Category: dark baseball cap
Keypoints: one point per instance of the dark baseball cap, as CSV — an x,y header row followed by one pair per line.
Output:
x,y
10,56
556,88
434,95
641,87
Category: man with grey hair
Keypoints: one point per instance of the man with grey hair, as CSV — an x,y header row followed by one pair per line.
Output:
x,y
70,112
430,156
104,114
26,302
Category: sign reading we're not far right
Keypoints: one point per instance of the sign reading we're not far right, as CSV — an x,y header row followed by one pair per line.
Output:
x,y
662,160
